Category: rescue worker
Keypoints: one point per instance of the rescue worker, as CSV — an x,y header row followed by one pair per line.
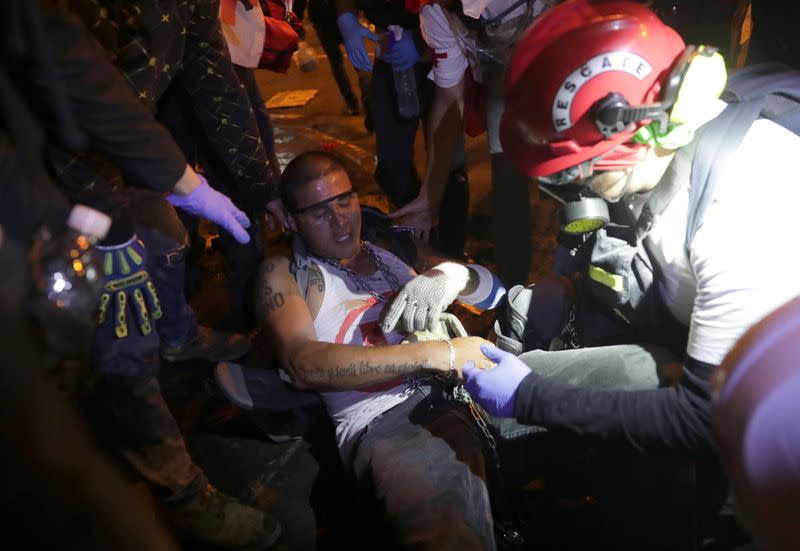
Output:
x,y
475,37
395,128
587,90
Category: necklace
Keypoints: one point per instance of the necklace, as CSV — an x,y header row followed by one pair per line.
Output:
x,y
360,281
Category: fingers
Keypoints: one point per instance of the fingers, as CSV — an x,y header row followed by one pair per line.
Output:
x,y
240,217
235,229
369,35
408,316
360,58
394,313
493,353
471,375
421,315
432,320
275,208
406,210
468,369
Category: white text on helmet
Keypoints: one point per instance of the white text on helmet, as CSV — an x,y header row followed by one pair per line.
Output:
x,y
627,62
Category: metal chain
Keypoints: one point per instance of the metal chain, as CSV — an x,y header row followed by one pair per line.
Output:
x,y
569,334
459,394
360,280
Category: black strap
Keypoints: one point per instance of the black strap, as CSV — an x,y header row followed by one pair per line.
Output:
x,y
677,173
721,139
771,91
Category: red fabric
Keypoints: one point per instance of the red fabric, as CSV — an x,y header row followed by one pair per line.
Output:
x,y
282,36
414,6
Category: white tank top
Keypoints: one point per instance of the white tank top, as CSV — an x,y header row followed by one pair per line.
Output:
x,y
350,315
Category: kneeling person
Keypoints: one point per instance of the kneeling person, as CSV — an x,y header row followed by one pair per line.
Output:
x,y
420,452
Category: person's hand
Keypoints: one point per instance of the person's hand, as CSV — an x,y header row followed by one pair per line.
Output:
x,y
353,34
128,288
496,389
402,54
276,215
416,214
422,300
468,353
208,203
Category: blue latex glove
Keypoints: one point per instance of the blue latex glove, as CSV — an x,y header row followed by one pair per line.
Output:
x,y
210,204
496,389
353,34
128,288
402,54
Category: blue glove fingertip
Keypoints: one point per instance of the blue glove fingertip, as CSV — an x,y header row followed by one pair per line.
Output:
x,y
241,236
491,351
469,368
241,218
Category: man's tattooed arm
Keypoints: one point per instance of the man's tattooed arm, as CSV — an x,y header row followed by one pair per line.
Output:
x,y
315,279
267,298
361,372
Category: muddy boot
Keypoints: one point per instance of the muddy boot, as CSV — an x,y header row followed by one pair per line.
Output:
x,y
215,518
209,345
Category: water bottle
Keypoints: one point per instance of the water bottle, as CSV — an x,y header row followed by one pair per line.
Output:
x,y
69,282
306,57
66,269
405,84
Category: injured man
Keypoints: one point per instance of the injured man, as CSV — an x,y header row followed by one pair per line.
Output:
x,y
340,310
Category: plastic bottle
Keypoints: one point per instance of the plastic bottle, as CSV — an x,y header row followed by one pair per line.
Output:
x,y
405,84
306,57
66,270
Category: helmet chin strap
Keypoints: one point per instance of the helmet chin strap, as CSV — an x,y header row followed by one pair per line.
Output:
x,y
621,157
626,187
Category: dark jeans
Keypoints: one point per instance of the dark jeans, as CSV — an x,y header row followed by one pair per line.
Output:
x,y
423,461
396,172
323,17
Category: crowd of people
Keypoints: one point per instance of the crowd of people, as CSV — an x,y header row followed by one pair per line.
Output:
x,y
668,327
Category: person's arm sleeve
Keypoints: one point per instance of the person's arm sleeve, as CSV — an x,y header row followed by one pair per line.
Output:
x,y
222,104
118,125
449,59
676,418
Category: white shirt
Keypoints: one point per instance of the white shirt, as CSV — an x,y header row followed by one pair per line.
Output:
x,y
453,48
349,315
744,260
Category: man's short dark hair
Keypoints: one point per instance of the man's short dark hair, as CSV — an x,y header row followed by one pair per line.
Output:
x,y
303,169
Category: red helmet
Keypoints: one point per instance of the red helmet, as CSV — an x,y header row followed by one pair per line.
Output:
x,y
571,59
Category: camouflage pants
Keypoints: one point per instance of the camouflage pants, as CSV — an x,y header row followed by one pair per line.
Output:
x,y
146,435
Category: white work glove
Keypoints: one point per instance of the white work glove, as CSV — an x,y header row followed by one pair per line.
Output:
x,y
421,301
